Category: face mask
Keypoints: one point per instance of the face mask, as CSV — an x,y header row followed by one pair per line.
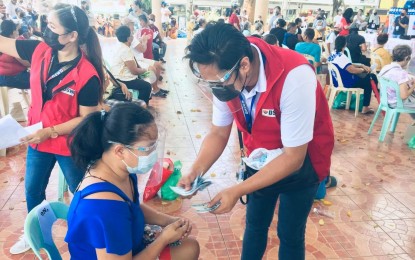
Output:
x,y
144,163
87,8
52,39
402,14
225,93
336,32
375,13
150,21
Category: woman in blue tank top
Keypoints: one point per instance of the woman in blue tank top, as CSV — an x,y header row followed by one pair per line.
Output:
x,y
106,219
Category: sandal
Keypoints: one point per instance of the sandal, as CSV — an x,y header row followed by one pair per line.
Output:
x,y
369,112
331,182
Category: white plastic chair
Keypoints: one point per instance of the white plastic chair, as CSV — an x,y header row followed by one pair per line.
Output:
x,y
332,92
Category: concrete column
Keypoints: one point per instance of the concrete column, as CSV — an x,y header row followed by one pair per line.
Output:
x,y
156,9
261,8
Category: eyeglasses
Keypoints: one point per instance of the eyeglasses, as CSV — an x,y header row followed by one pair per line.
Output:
x,y
138,148
225,77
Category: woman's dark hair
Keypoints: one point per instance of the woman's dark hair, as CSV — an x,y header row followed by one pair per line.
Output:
x,y
281,23
298,20
339,43
348,13
221,20
123,33
125,123
220,44
73,19
270,39
143,17
382,38
138,3
7,28
401,52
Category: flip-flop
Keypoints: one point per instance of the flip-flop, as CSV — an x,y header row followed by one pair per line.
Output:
x,y
369,112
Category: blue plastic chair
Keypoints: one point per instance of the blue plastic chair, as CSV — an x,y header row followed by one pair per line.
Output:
x,y
391,113
38,238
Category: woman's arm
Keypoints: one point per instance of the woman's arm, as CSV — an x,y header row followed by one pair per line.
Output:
x,y
132,67
8,46
407,89
62,129
154,217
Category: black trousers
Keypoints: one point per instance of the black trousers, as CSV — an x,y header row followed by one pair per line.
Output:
x,y
364,83
143,87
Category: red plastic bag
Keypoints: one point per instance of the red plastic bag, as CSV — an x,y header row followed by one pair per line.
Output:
x,y
151,190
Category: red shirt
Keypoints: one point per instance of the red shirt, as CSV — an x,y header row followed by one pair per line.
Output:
x,y
148,54
343,23
9,66
234,19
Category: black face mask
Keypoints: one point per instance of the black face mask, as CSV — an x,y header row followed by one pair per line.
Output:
x,y
52,39
226,93
375,13
336,32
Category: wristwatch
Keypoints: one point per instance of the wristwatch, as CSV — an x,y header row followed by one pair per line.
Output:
x,y
54,133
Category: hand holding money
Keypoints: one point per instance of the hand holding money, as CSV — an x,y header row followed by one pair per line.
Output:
x,y
199,183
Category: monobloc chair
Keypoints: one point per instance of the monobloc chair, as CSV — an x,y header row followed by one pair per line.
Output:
x,y
335,74
38,227
392,114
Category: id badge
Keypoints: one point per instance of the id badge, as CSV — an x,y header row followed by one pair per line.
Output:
x,y
241,171
397,28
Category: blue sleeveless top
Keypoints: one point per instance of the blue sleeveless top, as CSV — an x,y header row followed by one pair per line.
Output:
x,y
115,225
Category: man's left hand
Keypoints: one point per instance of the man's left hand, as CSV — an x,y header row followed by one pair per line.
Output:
x,y
227,198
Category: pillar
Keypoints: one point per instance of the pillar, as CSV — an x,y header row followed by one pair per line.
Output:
x,y
156,10
261,9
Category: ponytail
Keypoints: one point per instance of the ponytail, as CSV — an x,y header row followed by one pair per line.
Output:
x,y
94,54
85,140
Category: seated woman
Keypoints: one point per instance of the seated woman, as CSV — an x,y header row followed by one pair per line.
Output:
x,y
396,71
125,67
106,219
349,73
13,71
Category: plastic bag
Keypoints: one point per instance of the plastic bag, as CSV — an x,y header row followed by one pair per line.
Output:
x,y
340,100
261,157
166,192
411,143
150,190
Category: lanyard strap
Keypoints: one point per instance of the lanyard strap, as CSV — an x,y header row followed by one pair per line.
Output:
x,y
56,74
247,113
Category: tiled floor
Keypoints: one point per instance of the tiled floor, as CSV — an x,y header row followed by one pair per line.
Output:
x,y
373,205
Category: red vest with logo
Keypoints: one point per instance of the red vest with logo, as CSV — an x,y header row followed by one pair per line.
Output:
x,y
266,129
64,104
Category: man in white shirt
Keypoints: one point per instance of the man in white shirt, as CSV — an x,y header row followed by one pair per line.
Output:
x,y
165,17
11,9
331,39
274,98
274,18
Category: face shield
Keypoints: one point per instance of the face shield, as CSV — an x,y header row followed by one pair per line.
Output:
x,y
222,89
154,177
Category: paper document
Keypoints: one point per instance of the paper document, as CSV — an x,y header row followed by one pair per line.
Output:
x,y
11,131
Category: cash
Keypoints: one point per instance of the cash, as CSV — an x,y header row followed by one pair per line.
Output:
x,y
199,183
203,207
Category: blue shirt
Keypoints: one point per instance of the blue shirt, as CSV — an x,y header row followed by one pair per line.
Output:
x,y
290,40
309,48
117,226
341,61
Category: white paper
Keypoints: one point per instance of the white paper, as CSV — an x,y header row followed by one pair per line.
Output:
x,y
11,131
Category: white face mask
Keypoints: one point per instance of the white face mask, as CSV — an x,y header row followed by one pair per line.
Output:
x,y
144,163
150,22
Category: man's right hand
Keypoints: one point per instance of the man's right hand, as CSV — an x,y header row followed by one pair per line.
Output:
x,y
186,181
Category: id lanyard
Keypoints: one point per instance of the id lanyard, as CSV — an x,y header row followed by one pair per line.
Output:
x,y
56,74
247,113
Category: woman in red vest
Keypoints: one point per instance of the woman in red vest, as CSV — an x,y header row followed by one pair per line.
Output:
x,y
65,83
277,103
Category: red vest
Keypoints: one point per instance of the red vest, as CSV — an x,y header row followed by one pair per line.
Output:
x,y
64,104
266,131
9,66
